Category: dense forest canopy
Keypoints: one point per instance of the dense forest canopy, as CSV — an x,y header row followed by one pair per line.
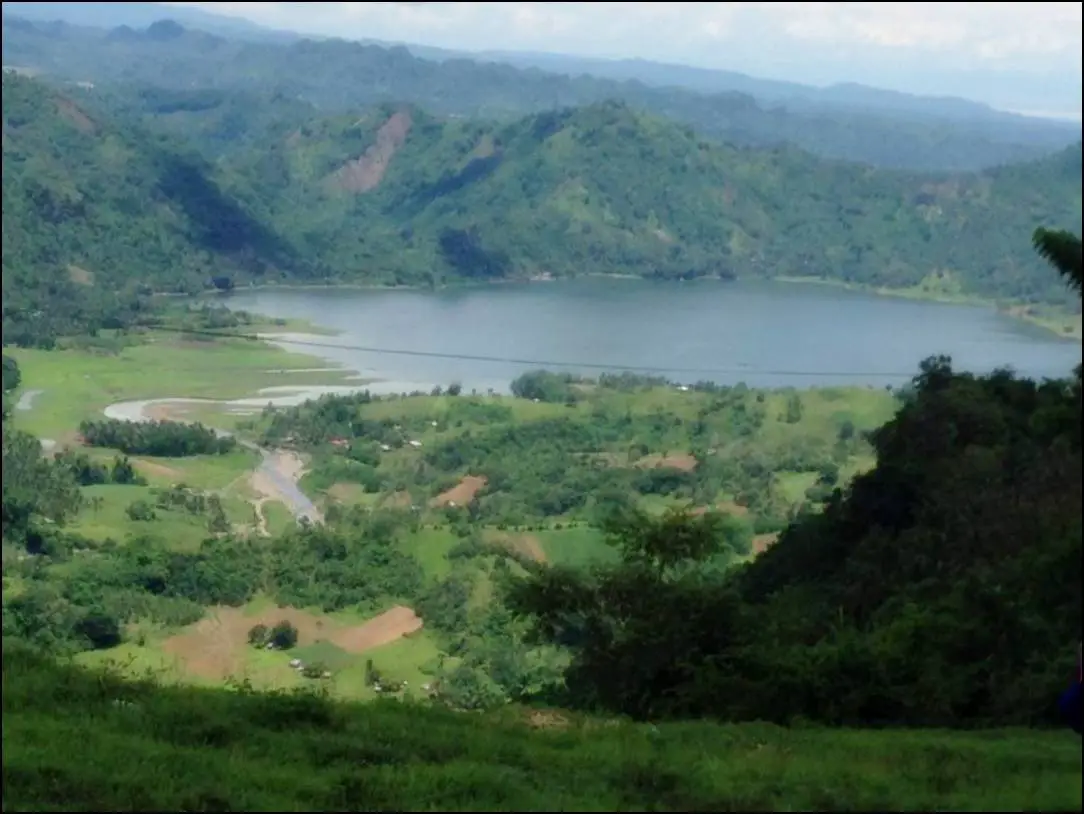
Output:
x,y
337,76
101,210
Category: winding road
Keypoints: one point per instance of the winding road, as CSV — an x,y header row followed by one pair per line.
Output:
x,y
278,472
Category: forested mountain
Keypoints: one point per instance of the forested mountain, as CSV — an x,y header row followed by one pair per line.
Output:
x,y
97,215
396,195
340,75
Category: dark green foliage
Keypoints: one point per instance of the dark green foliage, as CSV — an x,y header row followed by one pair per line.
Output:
x,y
166,439
941,588
1063,251
76,741
283,635
97,215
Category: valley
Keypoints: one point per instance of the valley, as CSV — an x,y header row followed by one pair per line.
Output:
x,y
388,428
453,525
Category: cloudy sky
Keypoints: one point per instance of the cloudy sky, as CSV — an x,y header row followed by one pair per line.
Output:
x,y
1014,55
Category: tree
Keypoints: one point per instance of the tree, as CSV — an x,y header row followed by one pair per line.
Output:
x,y
258,635
1063,251
283,635
141,510
101,630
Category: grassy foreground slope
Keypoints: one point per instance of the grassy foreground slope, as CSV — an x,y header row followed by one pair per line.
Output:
x,y
78,741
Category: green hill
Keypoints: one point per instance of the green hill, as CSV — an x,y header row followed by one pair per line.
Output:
x,y
338,75
97,214
77,742
100,208
607,189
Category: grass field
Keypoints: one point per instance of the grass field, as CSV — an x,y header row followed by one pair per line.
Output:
x,y
75,741
75,385
215,650
70,386
105,517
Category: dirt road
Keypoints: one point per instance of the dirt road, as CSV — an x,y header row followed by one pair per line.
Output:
x,y
275,478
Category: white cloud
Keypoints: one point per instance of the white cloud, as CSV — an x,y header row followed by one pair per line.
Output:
x,y
816,41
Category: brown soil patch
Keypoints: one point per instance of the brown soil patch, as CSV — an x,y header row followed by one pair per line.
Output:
x,y
153,468
214,647
80,276
462,493
684,462
389,626
524,544
70,111
365,173
762,542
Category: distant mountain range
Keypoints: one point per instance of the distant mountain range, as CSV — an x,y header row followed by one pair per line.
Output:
x,y
849,122
655,74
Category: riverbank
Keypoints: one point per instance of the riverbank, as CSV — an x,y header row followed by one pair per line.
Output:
x,y
1061,323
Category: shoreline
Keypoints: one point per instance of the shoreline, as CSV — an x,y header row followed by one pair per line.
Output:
x,y
1054,322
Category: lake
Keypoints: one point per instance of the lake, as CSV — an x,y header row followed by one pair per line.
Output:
x,y
762,333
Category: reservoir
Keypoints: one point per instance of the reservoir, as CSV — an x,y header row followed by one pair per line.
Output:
x,y
762,333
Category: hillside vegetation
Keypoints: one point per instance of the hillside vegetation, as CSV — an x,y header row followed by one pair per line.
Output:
x,y
99,210
74,741
97,215
939,588
337,75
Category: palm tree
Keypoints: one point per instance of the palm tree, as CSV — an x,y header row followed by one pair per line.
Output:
x,y
1063,251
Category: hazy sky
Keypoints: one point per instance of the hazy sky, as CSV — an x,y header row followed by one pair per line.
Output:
x,y
1004,53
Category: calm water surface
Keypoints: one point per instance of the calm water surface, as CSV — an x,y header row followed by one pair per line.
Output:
x,y
761,333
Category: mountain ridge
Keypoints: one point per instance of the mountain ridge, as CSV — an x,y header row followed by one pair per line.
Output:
x,y
650,72
317,71
396,195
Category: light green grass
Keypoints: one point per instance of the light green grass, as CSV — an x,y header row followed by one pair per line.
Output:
x,y
792,485
430,547
74,741
582,545
77,385
412,659
107,518
278,518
